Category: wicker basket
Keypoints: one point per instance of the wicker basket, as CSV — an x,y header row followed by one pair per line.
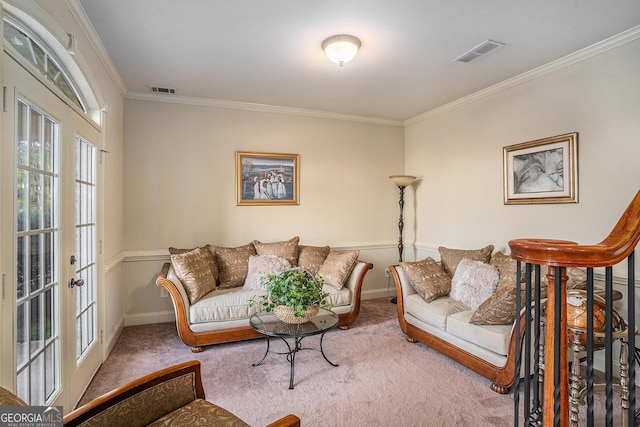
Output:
x,y
287,314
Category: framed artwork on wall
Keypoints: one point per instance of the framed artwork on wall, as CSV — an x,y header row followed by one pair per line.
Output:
x,y
542,171
267,179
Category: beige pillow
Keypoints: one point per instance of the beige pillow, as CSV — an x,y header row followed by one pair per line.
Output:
x,y
233,264
211,260
507,268
337,267
427,278
260,266
450,258
312,257
474,282
499,309
194,271
288,249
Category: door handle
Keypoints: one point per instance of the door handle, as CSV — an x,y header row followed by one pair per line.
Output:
x,y
75,282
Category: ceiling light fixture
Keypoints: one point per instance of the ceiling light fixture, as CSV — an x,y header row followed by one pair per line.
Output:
x,y
341,48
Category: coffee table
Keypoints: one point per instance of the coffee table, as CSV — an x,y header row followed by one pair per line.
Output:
x,y
270,326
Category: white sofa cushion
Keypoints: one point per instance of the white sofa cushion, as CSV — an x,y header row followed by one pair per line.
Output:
x,y
337,297
491,337
223,304
434,313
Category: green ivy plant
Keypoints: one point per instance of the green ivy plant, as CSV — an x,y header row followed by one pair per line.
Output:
x,y
297,288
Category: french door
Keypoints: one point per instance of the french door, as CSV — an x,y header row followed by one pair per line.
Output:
x,y
50,157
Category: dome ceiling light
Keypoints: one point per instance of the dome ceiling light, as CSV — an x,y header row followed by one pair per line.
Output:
x,y
341,48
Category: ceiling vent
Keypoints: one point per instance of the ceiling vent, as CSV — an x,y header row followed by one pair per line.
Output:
x,y
162,89
479,51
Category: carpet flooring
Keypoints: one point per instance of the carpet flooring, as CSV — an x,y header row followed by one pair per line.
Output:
x,y
381,380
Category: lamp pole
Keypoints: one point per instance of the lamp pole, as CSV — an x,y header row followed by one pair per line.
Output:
x,y
402,181
401,223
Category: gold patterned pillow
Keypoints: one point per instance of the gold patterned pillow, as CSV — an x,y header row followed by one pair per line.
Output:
x,y
507,268
337,267
233,264
211,259
427,278
499,309
287,249
194,271
450,258
312,257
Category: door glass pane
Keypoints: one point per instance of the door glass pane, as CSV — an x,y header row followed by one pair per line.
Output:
x,y
37,281
85,245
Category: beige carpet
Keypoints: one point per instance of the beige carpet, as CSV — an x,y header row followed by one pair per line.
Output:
x,y
382,380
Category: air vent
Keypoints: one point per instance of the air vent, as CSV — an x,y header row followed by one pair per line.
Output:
x,y
479,51
162,89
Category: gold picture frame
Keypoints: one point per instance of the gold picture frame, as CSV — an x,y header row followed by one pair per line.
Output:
x,y
542,171
264,179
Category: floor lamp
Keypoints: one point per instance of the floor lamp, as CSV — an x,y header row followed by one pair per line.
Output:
x,y
401,181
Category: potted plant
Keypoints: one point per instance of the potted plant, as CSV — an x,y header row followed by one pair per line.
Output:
x,y
295,295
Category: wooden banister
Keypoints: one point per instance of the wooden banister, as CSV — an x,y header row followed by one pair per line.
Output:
x,y
618,245
615,248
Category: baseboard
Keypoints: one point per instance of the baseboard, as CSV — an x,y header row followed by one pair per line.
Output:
x,y
148,318
378,293
111,340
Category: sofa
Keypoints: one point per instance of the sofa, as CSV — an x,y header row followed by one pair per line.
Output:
x,y
211,287
170,397
465,308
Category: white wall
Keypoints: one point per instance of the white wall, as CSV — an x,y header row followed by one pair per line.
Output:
x,y
179,170
458,155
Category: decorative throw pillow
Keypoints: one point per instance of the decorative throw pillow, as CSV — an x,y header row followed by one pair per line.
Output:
x,y
450,258
260,266
474,282
427,278
194,271
337,267
288,249
507,268
211,258
312,257
499,309
233,264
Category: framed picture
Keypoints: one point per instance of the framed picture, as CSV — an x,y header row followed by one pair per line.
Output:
x,y
542,171
266,179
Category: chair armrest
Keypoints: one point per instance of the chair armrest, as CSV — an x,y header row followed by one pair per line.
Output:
x,y
155,394
287,421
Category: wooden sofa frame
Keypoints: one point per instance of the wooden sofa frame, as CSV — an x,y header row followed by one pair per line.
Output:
x,y
197,340
502,377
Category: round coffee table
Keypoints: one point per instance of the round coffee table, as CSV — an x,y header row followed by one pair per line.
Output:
x,y
270,326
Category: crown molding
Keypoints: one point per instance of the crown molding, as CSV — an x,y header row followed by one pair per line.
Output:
x,y
264,108
90,32
580,55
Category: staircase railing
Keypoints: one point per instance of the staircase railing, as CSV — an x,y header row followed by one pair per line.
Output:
x,y
553,394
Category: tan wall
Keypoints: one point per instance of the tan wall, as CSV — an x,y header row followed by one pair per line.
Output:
x,y
180,187
458,156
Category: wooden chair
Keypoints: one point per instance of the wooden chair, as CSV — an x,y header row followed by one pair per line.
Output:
x,y
171,397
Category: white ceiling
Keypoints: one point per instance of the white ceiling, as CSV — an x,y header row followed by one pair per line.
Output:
x,y
268,51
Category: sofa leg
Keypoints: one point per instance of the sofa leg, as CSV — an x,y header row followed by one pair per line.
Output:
x,y
411,340
197,349
500,389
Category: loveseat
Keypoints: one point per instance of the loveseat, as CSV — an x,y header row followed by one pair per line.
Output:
x,y
211,286
465,308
